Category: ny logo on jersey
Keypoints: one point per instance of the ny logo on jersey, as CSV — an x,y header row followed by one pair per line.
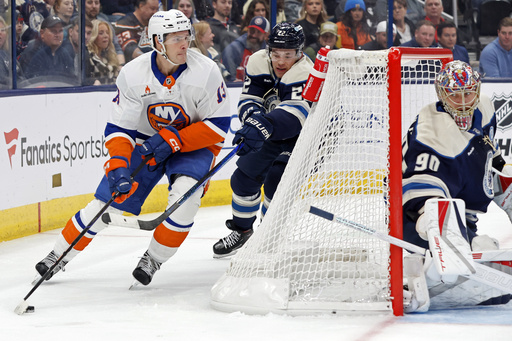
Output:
x,y
163,114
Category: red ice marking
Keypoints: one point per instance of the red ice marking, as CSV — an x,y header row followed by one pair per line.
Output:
x,y
442,208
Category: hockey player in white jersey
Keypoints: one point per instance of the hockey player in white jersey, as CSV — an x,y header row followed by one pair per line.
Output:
x,y
171,102
449,152
272,112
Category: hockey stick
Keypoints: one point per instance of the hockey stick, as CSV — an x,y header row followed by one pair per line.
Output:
x,y
150,225
23,307
484,274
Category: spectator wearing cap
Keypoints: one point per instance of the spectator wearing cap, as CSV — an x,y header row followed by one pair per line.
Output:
x,y
238,52
381,38
328,37
447,38
353,29
312,16
44,56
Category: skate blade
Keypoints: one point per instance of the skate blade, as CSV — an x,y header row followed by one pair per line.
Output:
x,y
232,253
136,284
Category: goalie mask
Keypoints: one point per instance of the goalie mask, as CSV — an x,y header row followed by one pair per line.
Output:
x,y
458,89
286,36
164,22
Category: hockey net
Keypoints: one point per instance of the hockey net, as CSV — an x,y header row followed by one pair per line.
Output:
x,y
347,161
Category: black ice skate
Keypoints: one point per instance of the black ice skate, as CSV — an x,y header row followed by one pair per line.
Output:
x,y
229,245
48,261
145,270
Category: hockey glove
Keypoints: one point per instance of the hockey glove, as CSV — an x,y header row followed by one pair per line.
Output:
x,y
249,110
503,190
162,145
119,179
256,130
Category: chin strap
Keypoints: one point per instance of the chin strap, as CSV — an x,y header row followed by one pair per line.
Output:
x,y
163,53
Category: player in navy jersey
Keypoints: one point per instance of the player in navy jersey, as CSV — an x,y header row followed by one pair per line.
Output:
x,y
172,103
272,111
449,152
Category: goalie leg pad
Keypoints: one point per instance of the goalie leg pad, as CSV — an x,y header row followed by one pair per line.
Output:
x,y
417,283
448,238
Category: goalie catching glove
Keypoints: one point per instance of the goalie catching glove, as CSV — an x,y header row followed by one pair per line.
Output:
x,y
503,190
162,145
119,178
256,130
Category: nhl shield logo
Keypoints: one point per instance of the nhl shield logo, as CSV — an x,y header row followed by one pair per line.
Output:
x,y
503,108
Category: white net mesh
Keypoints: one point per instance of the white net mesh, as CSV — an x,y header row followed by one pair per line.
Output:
x,y
298,262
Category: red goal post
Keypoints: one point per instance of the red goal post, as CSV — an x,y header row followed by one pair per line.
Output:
x,y
347,161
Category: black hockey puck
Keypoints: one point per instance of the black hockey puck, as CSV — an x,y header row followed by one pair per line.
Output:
x,y
30,309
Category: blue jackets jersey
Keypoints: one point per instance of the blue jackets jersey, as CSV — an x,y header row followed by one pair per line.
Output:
x,y
441,161
280,98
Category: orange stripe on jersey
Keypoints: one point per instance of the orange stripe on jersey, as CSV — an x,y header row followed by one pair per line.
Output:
x,y
70,233
119,146
197,136
169,238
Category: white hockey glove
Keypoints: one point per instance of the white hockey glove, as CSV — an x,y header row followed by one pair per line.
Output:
x,y
421,227
484,243
503,189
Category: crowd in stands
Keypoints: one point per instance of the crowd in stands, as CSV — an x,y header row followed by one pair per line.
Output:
x,y
227,31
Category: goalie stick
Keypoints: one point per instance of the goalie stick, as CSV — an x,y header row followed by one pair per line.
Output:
x,y
23,307
150,225
484,274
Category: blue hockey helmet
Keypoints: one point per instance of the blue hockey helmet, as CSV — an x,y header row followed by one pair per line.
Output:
x,y
286,36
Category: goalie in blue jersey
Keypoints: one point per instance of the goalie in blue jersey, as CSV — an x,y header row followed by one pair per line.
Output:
x,y
449,152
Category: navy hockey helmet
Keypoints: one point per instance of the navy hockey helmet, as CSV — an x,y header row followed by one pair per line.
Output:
x,y
286,36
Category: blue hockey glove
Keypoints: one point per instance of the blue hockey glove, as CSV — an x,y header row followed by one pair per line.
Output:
x,y
163,144
256,130
119,178
248,111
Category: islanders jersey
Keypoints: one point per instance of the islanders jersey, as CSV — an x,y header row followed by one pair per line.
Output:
x,y
439,160
280,98
193,100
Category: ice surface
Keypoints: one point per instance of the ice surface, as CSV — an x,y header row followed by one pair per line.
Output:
x,y
91,300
